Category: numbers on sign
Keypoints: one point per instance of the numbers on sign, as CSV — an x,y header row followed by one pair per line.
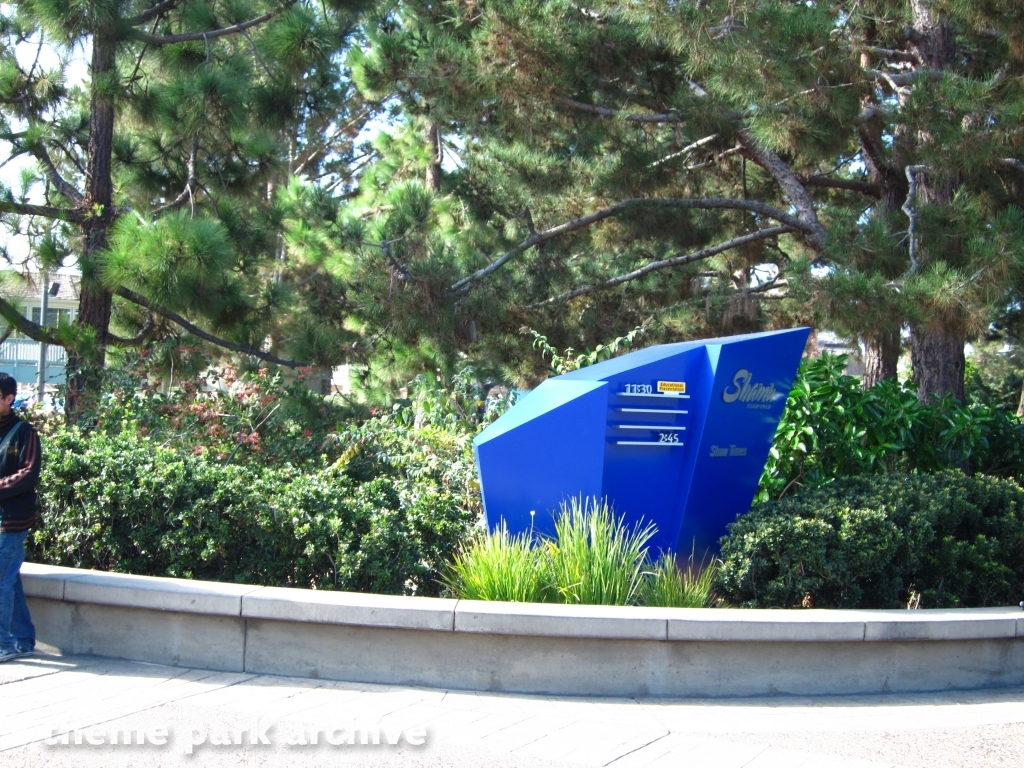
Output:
x,y
668,437
639,389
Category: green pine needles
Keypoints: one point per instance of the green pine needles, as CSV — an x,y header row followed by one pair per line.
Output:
x,y
594,559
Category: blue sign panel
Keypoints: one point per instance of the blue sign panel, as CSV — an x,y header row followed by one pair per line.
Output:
x,y
676,434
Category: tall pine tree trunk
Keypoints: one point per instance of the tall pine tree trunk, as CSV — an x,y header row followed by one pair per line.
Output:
x,y
881,357
881,344
95,302
937,354
433,177
938,345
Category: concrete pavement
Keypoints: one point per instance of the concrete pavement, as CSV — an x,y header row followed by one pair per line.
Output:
x,y
201,718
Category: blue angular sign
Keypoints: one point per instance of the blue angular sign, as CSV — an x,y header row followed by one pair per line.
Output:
x,y
676,434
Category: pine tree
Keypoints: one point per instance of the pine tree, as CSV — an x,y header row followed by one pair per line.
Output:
x,y
704,164
161,175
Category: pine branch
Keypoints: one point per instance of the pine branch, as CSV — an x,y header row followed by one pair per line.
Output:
x,y
46,211
908,208
67,189
900,79
676,261
685,150
791,186
385,247
208,35
886,53
186,193
256,53
775,282
323,145
853,185
466,284
873,150
152,13
195,330
609,112
70,156
35,331
138,339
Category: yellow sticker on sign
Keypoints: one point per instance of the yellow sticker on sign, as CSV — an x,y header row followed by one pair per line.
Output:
x,y
673,387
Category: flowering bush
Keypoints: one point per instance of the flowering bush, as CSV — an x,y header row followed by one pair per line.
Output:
x,y
233,416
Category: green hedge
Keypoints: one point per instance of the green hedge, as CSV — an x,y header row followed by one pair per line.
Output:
x,y
877,541
125,504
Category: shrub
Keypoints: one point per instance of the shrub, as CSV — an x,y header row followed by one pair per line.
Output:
x,y
878,542
594,560
125,504
240,417
832,428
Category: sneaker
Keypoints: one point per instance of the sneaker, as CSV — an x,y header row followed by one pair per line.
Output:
x,y
9,654
24,651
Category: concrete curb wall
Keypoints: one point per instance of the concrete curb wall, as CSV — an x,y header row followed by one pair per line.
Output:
x,y
523,647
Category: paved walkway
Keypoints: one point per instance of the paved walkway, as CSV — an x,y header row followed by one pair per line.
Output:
x,y
217,717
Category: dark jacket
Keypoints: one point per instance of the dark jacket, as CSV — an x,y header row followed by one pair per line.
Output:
x,y
19,473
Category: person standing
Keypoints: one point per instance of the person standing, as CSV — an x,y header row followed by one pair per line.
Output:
x,y
20,456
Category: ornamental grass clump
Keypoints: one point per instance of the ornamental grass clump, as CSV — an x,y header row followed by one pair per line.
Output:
x,y
501,566
668,586
596,559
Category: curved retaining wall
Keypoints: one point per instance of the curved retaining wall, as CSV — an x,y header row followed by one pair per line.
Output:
x,y
553,649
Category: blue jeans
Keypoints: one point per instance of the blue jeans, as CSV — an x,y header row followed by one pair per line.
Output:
x,y
16,628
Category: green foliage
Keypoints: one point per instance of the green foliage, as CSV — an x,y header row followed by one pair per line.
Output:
x,y
578,170
123,503
563,362
993,374
171,394
191,146
667,585
239,477
594,559
881,542
832,428
459,404
597,559
501,566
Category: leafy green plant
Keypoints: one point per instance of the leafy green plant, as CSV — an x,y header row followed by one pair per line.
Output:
x,y
597,560
459,404
668,586
159,485
832,429
563,362
123,503
171,394
594,559
875,541
501,566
